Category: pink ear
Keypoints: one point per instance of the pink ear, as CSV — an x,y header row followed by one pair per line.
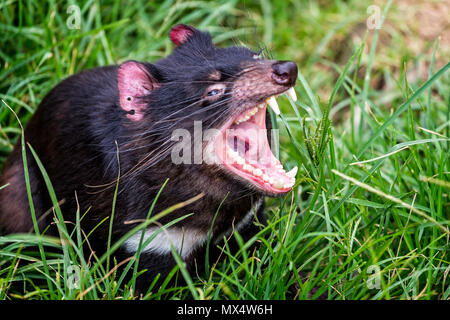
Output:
x,y
134,81
181,33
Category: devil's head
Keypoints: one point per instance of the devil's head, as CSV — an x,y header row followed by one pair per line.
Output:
x,y
221,91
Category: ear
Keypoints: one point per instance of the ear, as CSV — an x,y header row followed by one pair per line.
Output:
x,y
181,33
134,81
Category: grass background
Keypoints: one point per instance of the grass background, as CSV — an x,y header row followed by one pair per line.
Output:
x,y
369,215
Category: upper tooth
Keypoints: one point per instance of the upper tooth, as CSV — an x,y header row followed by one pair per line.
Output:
x,y
262,105
274,105
291,93
247,116
292,173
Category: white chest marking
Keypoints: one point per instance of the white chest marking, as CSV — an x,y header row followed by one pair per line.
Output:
x,y
184,241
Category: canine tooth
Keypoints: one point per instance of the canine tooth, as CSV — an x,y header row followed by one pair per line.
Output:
x,y
248,167
240,160
274,105
262,105
265,177
293,172
279,184
289,185
291,93
257,172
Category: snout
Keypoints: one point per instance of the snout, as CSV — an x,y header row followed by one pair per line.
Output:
x,y
284,73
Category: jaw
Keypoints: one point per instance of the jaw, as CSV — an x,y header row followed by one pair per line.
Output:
x,y
243,150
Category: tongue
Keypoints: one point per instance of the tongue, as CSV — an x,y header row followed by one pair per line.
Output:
x,y
250,141
245,150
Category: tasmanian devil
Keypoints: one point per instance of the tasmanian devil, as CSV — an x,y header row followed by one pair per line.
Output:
x,y
137,124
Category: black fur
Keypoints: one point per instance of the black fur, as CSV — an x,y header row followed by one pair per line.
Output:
x,y
79,131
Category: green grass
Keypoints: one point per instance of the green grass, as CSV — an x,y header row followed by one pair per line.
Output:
x,y
371,143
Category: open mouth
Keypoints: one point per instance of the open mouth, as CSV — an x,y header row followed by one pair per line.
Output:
x,y
244,149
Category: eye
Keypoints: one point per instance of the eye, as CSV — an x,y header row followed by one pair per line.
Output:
x,y
214,91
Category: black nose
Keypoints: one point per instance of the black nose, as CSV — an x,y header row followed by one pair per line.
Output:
x,y
284,73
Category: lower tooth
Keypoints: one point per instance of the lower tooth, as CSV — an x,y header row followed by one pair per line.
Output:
x,y
257,172
278,184
293,172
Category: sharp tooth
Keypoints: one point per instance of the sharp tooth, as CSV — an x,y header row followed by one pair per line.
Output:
x,y
274,105
279,184
293,172
240,160
291,93
288,185
257,172
262,105
265,177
